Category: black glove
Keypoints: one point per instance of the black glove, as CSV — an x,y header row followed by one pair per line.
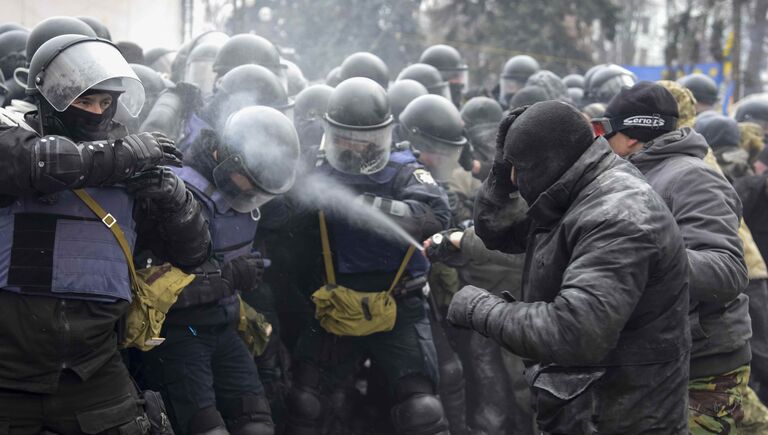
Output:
x,y
245,272
453,200
189,93
441,250
499,184
162,186
465,158
138,152
470,308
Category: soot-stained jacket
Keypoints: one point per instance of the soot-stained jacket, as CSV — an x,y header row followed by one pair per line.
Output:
x,y
708,211
603,322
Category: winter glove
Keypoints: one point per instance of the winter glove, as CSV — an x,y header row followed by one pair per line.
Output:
x,y
499,184
245,272
441,250
189,93
138,152
470,308
160,185
465,158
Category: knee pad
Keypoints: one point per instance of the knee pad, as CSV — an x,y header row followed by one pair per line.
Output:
x,y
207,421
420,414
250,415
451,374
304,403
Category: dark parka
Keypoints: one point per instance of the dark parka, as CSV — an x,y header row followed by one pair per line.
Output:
x,y
603,324
707,210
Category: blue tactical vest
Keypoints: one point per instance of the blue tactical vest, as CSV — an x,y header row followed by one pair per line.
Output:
x,y
232,232
358,250
57,246
192,129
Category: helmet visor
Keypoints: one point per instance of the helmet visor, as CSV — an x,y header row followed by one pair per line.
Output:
x,y
237,185
457,77
357,151
201,73
508,87
442,89
613,86
83,65
163,63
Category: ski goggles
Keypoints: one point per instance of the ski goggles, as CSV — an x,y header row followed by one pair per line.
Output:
x,y
608,127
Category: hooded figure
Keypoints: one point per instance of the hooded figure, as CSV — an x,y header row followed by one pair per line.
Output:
x,y
604,333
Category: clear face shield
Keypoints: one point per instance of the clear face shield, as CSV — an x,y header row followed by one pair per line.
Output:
x,y
458,79
357,151
234,182
201,73
442,89
613,86
440,160
163,64
508,87
83,65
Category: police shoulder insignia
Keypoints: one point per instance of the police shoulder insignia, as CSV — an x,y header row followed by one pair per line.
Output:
x,y
423,176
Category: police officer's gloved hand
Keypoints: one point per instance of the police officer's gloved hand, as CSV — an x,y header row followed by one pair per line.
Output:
x,y
470,308
245,272
161,185
139,152
499,184
465,158
189,93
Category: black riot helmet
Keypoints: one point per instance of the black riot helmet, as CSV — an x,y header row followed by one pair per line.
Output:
x,y
94,23
364,64
753,109
12,52
428,76
334,77
7,27
132,52
434,128
606,82
551,83
246,85
481,116
452,67
311,105
180,59
577,96
514,74
703,87
358,127
68,66
312,102
246,49
153,85
402,92
160,59
574,81
199,68
295,79
257,157
52,27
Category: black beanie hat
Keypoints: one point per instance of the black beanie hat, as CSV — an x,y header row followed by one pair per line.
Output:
x,y
543,143
719,131
637,104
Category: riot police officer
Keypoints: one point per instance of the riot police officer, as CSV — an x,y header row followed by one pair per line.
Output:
x,y
357,146
364,64
204,369
452,67
245,49
311,104
64,277
514,75
603,82
703,88
482,116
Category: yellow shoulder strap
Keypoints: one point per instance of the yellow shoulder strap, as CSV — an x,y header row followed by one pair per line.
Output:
x,y
403,265
330,275
111,223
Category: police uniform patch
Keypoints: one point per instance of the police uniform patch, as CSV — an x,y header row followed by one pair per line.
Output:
x,y
423,176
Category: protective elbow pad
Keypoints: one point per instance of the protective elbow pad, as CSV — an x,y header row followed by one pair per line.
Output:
x,y
57,164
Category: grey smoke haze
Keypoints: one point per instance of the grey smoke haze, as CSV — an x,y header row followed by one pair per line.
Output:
x,y
323,192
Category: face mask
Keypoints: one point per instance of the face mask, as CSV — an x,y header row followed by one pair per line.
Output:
x,y
84,126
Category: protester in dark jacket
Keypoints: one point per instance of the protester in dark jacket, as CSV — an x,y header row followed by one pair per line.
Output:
x,y
603,321
707,210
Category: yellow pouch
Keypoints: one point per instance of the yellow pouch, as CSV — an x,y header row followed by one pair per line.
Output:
x,y
253,328
154,289
346,312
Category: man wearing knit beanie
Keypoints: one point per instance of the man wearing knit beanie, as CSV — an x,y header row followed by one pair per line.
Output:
x,y
602,324
707,210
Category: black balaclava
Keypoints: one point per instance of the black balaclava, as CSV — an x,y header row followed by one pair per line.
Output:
x,y
543,143
77,124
